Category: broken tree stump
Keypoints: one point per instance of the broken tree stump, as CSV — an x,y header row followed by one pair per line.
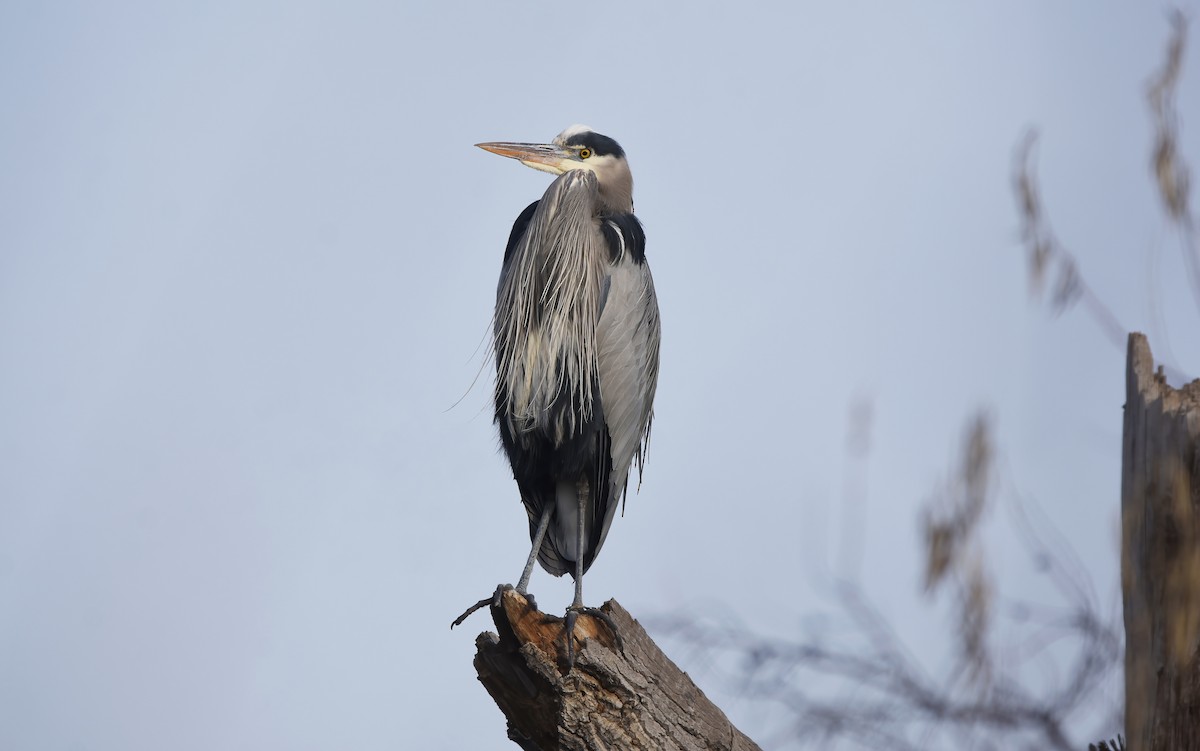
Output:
x,y
1160,557
634,698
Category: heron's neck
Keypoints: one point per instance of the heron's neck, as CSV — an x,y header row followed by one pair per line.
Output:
x,y
616,197
616,188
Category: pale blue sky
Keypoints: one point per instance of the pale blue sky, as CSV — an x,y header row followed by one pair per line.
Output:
x,y
247,261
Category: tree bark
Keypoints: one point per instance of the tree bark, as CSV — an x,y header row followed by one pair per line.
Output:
x,y
1160,557
631,698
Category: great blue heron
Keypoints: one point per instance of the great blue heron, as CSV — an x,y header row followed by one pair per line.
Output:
x,y
576,336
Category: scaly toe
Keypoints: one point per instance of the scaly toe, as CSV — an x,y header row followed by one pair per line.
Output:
x,y
600,615
569,634
494,601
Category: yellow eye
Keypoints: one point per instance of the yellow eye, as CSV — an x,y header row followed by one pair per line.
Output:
x,y
585,152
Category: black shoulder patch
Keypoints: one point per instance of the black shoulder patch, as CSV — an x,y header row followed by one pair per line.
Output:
x,y
600,145
518,229
623,232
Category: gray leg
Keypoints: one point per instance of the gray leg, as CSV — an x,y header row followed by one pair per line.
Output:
x,y
577,606
494,600
543,523
582,494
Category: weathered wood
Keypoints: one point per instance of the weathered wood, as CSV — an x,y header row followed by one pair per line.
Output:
x,y
633,698
1160,557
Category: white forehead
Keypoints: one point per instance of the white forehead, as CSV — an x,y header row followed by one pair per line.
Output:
x,y
572,130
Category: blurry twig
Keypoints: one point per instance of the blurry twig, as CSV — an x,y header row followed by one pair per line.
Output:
x,y
953,552
861,687
854,484
1048,259
1172,174
1050,262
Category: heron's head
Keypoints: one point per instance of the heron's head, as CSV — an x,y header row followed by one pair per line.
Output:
x,y
578,147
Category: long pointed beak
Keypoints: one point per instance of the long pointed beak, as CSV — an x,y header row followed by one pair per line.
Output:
x,y
541,156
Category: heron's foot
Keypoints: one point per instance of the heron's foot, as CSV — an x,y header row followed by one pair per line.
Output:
x,y
493,601
569,629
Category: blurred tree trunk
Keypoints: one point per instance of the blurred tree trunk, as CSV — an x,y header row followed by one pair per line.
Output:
x,y
634,698
1160,559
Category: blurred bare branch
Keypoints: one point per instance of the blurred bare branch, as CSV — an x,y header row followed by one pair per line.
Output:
x,y
1047,257
953,550
854,484
948,530
1051,263
1172,173
860,687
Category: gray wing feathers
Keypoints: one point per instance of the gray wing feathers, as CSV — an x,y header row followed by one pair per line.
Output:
x,y
546,307
627,337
